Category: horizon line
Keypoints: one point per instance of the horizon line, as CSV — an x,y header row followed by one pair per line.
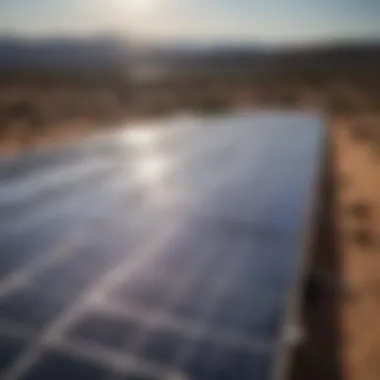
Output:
x,y
107,35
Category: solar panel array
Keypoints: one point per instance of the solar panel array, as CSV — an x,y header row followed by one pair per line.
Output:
x,y
168,251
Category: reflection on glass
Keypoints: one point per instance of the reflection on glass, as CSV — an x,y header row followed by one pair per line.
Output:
x,y
149,163
151,168
140,138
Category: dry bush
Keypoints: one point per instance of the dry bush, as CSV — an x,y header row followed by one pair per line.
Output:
x,y
211,105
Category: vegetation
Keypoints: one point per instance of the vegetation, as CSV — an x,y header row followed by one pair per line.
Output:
x,y
38,105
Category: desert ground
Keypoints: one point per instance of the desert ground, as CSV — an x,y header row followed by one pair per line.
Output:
x,y
342,315
358,232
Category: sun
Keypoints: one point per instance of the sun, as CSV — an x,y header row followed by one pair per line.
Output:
x,y
140,5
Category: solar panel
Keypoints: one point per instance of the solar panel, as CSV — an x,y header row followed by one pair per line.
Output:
x,y
168,251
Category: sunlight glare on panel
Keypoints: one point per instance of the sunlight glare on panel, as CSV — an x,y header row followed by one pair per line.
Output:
x,y
149,163
151,168
140,138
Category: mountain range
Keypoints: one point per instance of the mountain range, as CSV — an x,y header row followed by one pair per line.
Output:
x,y
110,53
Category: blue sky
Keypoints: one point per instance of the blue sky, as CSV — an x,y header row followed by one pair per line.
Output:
x,y
274,21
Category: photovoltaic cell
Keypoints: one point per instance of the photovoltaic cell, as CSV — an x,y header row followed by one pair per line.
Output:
x,y
161,252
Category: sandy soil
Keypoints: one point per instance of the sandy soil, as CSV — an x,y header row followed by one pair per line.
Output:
x,y
342,312
359,231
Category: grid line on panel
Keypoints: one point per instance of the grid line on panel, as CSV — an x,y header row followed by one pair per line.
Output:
x,y
223,281
186,285
24,276
190,329
53,332
116,361
20,276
